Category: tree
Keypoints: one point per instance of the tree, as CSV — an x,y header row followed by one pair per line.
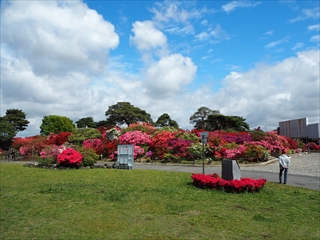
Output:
x,y
125,113
165,121
86,122
17,118
199,117
7,133
55,124
81,134
102,123
221,122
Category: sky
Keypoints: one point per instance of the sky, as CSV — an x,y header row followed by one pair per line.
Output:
x,y
254,59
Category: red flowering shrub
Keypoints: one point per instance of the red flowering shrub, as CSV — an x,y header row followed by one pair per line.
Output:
x,y
159,143
179,147
29,145
236,186
70,158
312,146
95,144
58,138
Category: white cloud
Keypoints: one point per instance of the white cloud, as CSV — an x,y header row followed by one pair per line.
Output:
x,y
169,75
204,22
268,33
315,27
174,11
268,94
275,43
237,4
58,37
307,14
217,33
297,46
315,38
146,36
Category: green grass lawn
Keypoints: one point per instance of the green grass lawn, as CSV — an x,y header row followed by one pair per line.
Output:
x,y
145,204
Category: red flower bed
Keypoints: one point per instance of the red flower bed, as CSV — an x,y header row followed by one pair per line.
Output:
x,y
237,186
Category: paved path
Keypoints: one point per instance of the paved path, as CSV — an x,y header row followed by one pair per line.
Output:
x,y
304,171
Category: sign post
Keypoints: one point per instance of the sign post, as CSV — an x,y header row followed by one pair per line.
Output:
x,y
204,137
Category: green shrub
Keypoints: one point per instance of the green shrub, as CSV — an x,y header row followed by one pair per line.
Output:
x,y
255,153
89,156
258,135
46,161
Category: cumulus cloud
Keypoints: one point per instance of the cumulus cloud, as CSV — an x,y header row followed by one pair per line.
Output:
x,y
146,36
169,75
238,4
57,37
268,94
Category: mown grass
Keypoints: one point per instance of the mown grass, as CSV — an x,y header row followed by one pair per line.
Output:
x,y
145,204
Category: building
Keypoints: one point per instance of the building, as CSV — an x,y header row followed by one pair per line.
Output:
x,y
299,129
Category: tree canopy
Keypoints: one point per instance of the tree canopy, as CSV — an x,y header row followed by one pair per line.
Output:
x,y
55,124
221,122
7,133
165,121
86,122
125,113
17,118
198,119
79,135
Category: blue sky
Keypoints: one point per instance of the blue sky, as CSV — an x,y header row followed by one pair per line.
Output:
x,y
255,59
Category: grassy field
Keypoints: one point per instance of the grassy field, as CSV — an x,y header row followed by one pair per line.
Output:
x,y
145,204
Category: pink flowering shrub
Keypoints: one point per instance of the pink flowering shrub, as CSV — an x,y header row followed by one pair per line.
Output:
x,y
52,151
135,137
94,144
235,186
70,158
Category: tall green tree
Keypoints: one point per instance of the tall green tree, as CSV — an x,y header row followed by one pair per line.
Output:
x,y
55,124
17,118
125,113
198,119
7,133
86,122
222,122
165,121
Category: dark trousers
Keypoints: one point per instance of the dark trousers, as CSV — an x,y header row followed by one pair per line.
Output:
x,y
285,174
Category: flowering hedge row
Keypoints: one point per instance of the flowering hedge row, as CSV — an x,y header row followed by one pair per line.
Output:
x,y
159,143
237,186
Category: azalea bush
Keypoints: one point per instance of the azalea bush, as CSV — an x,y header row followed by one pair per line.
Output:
x,y
89,156
143,127
58,138
70,158
312,146
49,154
213,181
135,137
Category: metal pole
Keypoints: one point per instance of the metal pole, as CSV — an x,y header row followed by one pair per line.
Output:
x,y
203,157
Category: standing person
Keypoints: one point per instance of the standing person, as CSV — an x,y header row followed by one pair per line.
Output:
x,y
284,162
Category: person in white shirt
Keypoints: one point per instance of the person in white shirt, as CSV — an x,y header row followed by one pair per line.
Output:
x,y
284,162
